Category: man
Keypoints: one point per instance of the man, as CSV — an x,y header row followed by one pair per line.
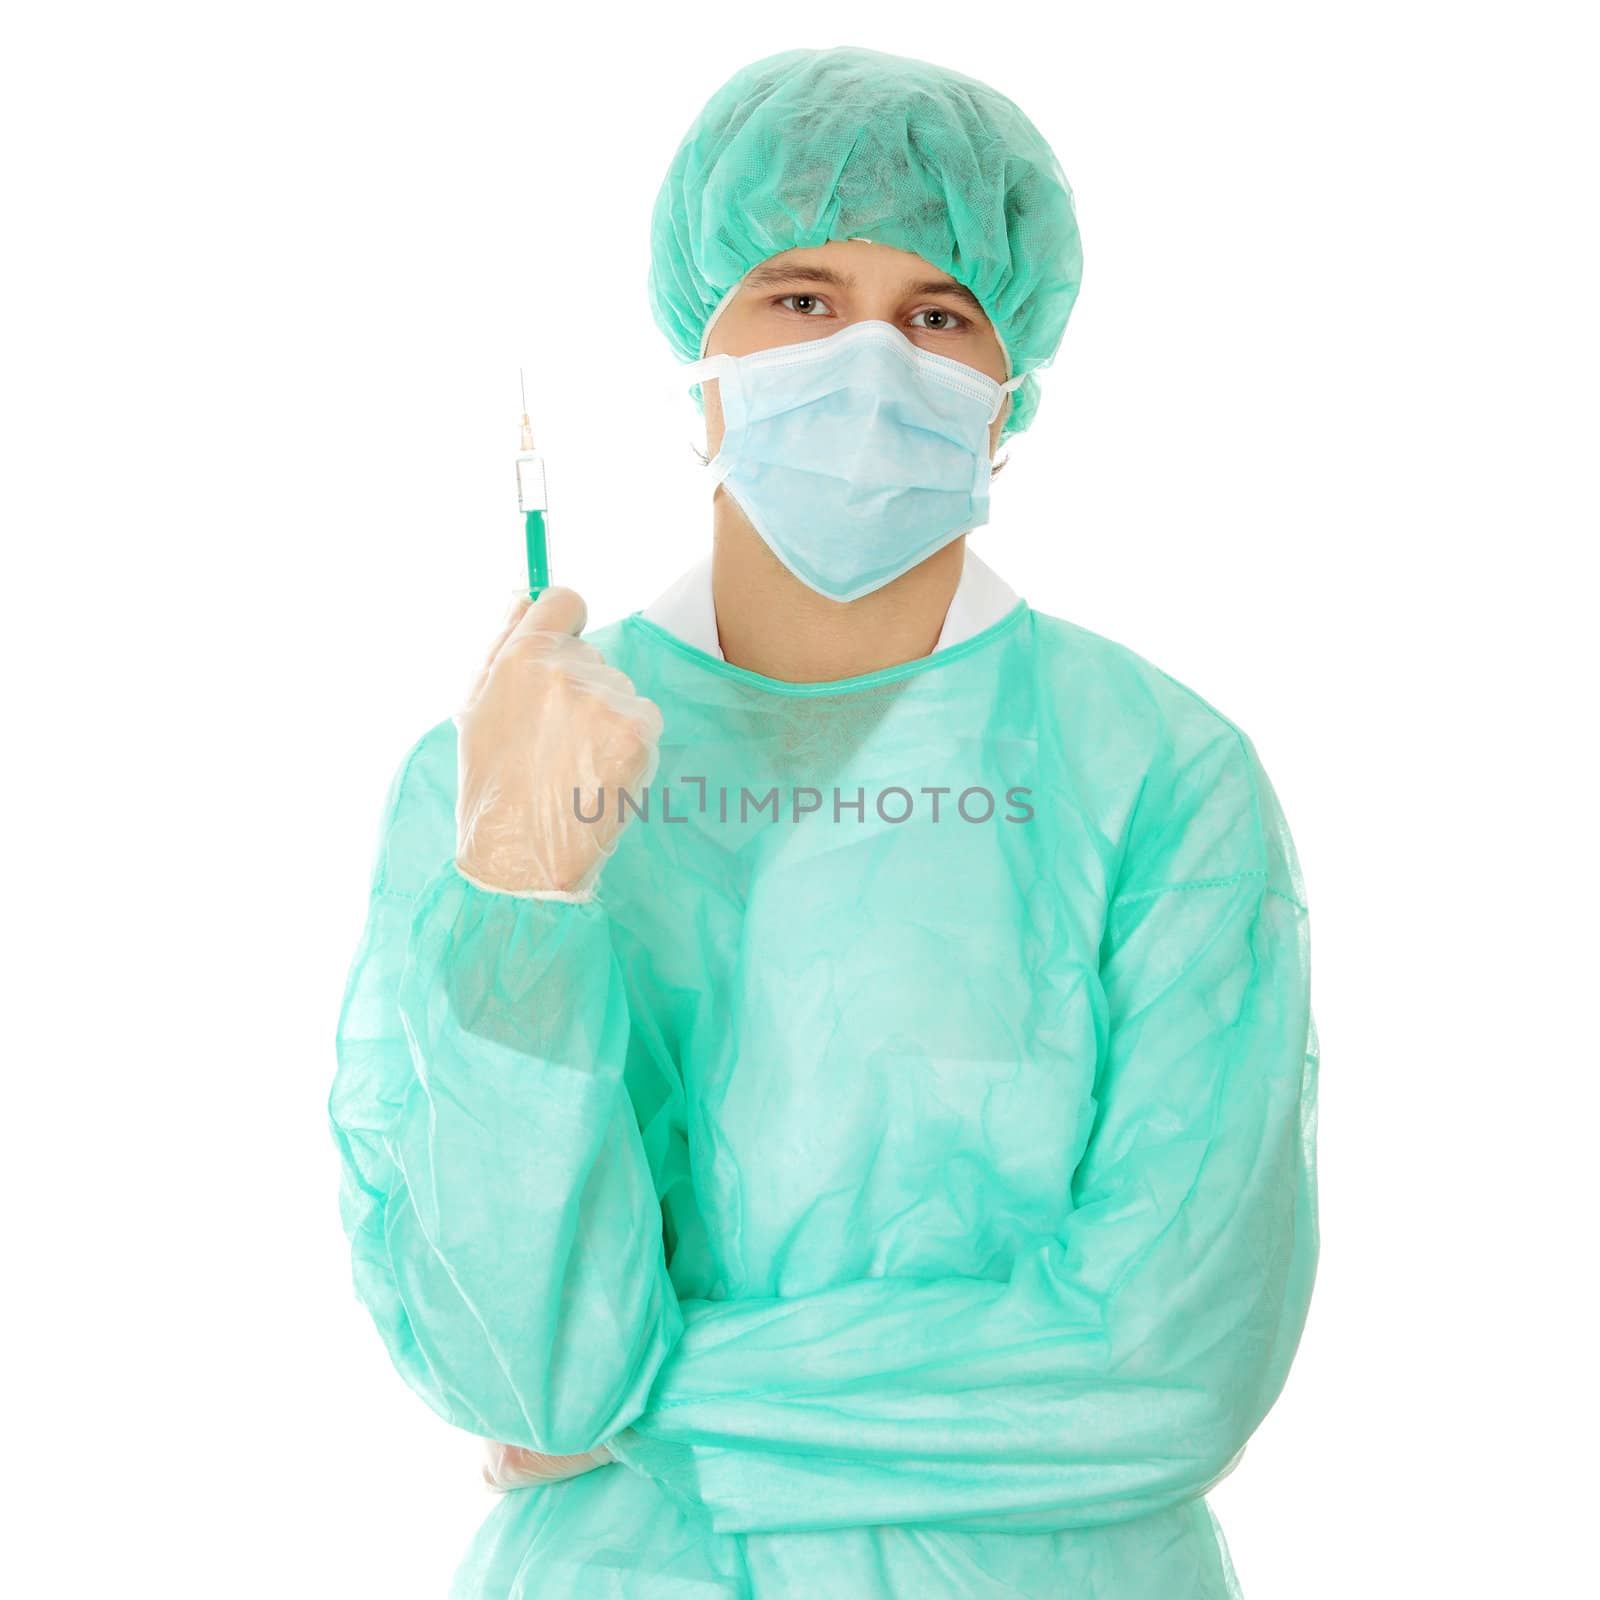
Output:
x,y
827,1087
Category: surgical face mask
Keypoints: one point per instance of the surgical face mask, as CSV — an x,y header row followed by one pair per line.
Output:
x,y
857,456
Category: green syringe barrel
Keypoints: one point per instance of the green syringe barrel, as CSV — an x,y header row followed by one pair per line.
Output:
x,y
538,553
532,501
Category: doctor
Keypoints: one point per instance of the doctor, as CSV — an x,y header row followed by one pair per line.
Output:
x,y
828,1182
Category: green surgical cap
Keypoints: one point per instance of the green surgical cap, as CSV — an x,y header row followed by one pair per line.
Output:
x,y
813,145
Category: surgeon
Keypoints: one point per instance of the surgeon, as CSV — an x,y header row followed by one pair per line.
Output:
x,y
827,1090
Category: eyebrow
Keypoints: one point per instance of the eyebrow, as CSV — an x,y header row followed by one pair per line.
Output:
x,y
770,275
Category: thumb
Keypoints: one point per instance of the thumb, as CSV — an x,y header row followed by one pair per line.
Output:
x,y
555,611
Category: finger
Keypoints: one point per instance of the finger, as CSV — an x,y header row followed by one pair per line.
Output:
x,y
497,1464
519,604
558,611
555,611
577,658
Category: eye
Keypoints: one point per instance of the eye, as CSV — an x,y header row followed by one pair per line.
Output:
x,y
808,305
937,320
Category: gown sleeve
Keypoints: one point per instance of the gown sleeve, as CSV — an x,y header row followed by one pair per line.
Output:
x,y
1125,1362
502,1213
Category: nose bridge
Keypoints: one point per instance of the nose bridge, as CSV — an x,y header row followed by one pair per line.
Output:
x,y
879,330
880,358
881,346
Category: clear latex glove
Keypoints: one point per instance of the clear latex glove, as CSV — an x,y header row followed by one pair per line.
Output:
x,y
547,719
508,1466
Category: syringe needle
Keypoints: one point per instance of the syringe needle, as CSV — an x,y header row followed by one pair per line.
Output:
x,y
527,427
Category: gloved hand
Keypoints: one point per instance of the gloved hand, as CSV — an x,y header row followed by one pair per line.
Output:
x,y
508,1466
547,716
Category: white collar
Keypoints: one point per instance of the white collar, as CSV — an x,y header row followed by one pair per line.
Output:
x,y
688,611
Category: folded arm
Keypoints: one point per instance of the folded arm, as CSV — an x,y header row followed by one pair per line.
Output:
x,y
1125,1362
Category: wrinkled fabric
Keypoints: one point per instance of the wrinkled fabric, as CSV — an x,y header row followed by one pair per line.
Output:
x,y
915,1207
813,145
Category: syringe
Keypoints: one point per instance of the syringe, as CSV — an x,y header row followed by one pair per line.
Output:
x,y
532,501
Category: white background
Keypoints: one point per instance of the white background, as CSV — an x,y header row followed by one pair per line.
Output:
x,y
1320,442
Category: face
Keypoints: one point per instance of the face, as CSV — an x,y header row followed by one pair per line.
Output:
x,y
809,294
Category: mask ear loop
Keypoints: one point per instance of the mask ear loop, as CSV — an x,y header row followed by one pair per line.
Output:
x,y
725,369
698,371
1005,389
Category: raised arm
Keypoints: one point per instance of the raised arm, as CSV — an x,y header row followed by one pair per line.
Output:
x,y
503,1217
1124,1364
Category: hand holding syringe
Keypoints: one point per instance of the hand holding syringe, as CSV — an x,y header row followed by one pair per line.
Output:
x,y
546,718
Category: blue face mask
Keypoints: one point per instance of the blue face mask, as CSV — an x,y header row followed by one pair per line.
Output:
x,y
856,456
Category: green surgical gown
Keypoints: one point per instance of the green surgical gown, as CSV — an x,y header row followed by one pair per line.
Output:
x,y
906,1161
